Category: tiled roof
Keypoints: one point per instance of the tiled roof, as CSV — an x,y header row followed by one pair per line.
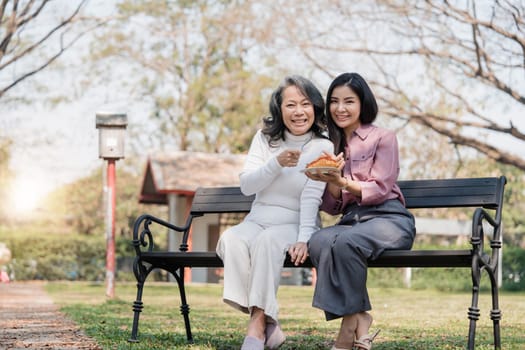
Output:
x,y
182,172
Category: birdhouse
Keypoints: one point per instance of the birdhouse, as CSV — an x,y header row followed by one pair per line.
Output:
x,y
112,132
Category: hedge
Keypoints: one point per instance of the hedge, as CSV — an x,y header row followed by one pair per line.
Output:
x,y
82,258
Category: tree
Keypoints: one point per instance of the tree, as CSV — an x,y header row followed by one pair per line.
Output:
x,y
188,61
79,206
32,37
484,46
455,67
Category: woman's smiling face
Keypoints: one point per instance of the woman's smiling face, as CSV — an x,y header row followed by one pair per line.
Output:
x,y
298,111
345,108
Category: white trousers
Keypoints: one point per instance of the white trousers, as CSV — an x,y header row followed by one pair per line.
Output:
x,y
253,257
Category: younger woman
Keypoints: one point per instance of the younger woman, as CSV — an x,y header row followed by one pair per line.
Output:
x,y
374,217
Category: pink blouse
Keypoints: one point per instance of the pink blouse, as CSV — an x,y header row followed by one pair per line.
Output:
x,y
372,158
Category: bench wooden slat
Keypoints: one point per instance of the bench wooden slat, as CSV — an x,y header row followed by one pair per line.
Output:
x,y
445,193
220,200
183,259
397,258
424,258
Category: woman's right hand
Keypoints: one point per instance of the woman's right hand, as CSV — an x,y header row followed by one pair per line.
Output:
x,y
289,157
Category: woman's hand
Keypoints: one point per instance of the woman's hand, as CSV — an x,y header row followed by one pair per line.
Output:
x,y
298,252
331,177
289,157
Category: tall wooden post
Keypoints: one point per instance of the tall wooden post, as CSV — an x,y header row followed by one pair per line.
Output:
x,y
110,229
112,128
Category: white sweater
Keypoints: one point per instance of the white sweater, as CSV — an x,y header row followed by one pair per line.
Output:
x,y
284,195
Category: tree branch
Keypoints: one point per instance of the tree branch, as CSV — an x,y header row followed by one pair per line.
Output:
x,y
17,22
45,37
492,152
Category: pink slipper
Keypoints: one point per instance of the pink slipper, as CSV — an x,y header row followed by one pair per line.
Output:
x,y
274,335
252,343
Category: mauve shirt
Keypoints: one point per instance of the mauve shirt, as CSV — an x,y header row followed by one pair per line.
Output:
x,y
372,158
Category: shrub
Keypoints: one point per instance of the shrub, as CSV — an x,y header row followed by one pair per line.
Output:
x,y
61,257
83,258
513,268
454,279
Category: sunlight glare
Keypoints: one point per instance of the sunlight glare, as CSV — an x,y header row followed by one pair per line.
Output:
x,y
25,195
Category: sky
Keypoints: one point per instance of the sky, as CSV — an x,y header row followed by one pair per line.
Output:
x,y
56,145
52,147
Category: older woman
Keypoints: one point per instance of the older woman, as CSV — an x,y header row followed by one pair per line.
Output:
x,y
284,213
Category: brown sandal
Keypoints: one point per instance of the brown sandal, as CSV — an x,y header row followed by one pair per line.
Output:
x,y
365,342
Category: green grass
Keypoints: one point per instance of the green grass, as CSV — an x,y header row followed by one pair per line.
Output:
x,y
415,320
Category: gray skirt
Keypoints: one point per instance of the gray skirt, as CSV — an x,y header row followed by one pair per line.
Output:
x,y
341,253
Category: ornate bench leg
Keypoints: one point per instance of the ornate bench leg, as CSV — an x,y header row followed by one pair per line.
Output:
x,y
473,311
137,309
495,313
141,272
184,308
473,315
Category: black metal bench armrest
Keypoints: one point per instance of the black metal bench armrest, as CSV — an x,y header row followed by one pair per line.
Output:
x,y
480,217
142,236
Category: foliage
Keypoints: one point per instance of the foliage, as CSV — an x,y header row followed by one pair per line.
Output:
x,y
514,197
53,257
189,63
427,163
418,320
82,258
436,160
513,268
56,257
80,205
453,279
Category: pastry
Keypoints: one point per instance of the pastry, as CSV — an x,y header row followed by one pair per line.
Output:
x,y
322,162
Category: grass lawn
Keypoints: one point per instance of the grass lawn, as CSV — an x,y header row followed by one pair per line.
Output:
x,y
415,320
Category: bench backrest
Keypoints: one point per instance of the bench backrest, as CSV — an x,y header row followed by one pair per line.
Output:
x,y
446,193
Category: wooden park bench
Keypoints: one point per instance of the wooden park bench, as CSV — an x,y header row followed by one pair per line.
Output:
x,y
483,194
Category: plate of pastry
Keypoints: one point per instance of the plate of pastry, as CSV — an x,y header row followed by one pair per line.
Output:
x,y
323,165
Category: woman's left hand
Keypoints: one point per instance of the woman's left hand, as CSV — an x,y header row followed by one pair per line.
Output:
x,y
298,252
334,176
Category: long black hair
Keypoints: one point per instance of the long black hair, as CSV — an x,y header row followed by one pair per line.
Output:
x,y
369,109
274,125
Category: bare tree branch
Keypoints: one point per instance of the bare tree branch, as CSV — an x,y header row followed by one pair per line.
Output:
x,y
22,48
457,138
459,49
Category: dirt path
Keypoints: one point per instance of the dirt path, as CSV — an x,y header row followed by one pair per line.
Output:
x,y
30,320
